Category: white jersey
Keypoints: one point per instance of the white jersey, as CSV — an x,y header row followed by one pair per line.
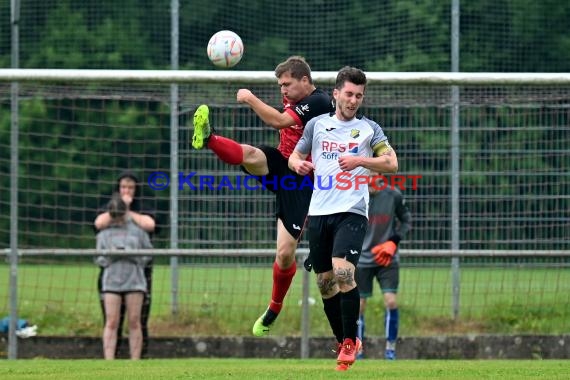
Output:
x,y
327,138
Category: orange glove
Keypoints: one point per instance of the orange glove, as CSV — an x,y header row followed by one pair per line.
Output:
x,y
384,252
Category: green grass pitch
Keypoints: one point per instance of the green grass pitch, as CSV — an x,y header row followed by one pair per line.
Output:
x,y
276,369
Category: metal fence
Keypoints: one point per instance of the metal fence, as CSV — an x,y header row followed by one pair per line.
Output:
x,y
491,150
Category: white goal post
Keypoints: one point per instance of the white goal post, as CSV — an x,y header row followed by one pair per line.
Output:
x,y
196,76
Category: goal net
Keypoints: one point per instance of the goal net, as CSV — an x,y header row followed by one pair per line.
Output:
x,y
75,137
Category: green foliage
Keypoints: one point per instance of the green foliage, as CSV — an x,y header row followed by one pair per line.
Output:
x,y
495,35
71,40
520,318
527,29
408,35
58,157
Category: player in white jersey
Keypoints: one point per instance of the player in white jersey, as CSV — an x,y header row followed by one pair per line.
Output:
x,y
343,147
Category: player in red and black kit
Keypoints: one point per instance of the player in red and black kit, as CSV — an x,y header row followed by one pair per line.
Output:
x,y
302,101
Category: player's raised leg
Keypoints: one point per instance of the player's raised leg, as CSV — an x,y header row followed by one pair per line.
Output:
x,y
227,150
284,269
201,124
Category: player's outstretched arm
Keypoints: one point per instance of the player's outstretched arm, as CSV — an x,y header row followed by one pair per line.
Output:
x,y
268,114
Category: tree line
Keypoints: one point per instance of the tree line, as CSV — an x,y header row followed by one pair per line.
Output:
x,y
495,36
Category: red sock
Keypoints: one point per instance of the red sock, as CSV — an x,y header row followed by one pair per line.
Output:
x,y
282,279
226,149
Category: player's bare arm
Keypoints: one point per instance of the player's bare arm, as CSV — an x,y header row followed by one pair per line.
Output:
x,y
299,165
268,114
385,163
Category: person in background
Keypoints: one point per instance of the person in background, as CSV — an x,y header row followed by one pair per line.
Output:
x,y
128,186
123,279
389,220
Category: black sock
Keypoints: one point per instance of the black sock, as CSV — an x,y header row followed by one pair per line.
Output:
x,y
334,315
269,317
350,305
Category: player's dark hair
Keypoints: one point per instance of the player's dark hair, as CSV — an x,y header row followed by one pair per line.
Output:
x,y
297,66
117,207
350,74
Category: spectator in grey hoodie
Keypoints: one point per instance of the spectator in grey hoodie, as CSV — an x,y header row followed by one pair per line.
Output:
x,y
123,277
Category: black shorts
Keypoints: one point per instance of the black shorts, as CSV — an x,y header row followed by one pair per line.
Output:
x,y
122,294
292,191
388,278
337,235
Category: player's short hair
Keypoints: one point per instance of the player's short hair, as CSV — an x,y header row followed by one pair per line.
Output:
x,y
117,207
297,66
350,74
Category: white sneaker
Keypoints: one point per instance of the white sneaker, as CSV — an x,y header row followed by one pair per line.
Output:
x,y
27,332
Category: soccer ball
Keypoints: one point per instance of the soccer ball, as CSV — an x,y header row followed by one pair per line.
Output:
x,y
225,49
